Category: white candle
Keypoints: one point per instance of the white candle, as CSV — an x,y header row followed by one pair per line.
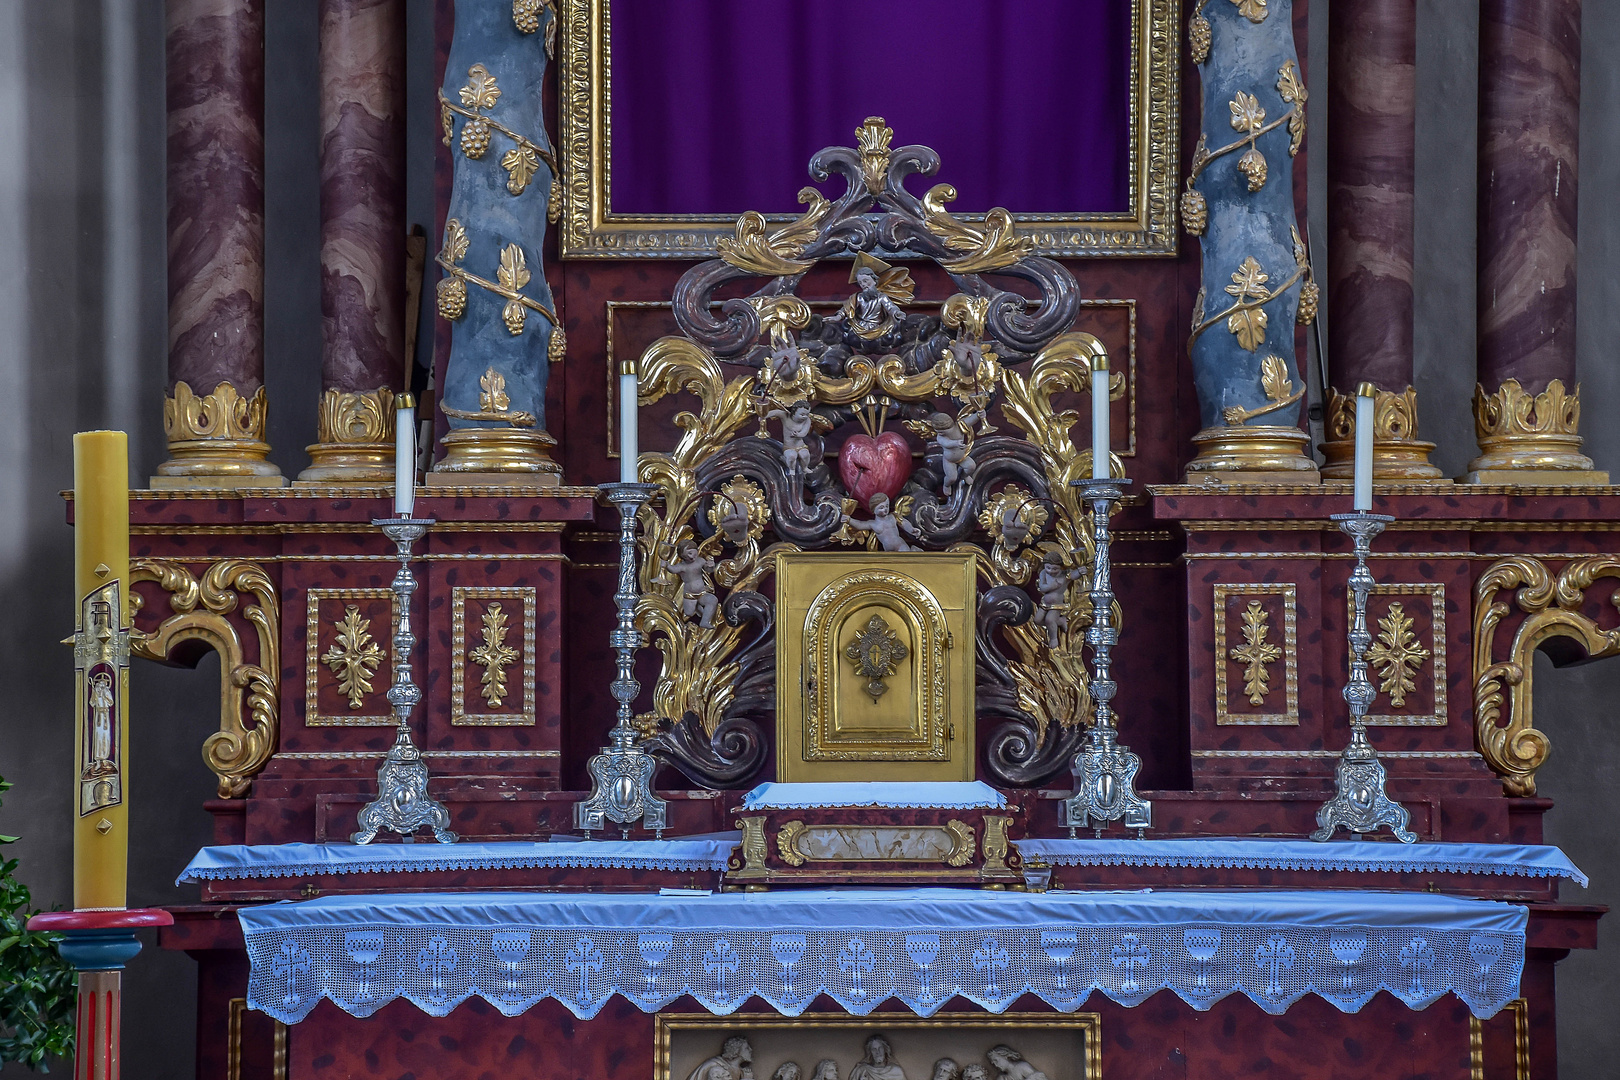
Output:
x,y
405,455
629,445
1364,447
1099,419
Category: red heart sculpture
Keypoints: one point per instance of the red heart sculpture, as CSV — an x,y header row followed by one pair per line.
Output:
x,y
870,466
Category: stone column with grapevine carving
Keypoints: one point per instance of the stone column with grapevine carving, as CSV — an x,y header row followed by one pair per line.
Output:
x,y
492,288
1372,89
1256,279
1527,403
214,411
362,73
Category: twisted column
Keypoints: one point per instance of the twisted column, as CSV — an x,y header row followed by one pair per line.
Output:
x,y
1371,150
214,412
1527,401
362,69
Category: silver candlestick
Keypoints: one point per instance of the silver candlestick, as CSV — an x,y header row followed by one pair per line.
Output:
x,y
403,805
1360,803
621,775
1104,770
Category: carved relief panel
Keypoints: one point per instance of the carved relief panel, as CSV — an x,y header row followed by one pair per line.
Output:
x,y
875,666
1256,655
492,667
1407,658
348,657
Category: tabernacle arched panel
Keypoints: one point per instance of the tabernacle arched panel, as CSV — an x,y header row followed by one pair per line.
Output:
x,y
875,669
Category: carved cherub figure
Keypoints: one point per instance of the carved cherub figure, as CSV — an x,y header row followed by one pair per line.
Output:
x,y
884,525
1052,611
875,309
1010,1065
797,424
697,595
954,435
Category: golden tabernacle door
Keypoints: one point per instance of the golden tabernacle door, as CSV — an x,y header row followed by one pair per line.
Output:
x,y
874,666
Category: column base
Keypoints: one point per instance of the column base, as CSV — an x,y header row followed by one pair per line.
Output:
x,y
1395,459
216,440
1530,439
1252,455
348,463
356,433
1398,454
498,456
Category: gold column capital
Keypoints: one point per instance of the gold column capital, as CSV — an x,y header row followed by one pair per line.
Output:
x,y
216,440
1398,454
1529,438
355,429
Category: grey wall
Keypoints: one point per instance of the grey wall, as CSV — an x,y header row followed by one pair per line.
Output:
x,y
82,346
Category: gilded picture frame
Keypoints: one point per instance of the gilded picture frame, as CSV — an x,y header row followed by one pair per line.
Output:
x,y
588,230
1083,1063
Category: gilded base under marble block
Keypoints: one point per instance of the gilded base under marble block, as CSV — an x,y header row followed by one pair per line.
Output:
x,y
1529,438
1261,454
496,456
216,440
355,433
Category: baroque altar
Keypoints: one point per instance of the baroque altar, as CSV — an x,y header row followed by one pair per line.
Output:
x,y
950,684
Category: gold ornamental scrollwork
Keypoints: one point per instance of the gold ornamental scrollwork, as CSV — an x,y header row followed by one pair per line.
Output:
x,y
1396,655
962,843
1256,654
512,273
354,656
787,841
995,842
250,698
1553,608
494,655
876,652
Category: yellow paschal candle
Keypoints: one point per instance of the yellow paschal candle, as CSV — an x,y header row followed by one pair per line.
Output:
x,y
101,669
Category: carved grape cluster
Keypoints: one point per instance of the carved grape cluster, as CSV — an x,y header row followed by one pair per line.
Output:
x,y
475,138
1194,211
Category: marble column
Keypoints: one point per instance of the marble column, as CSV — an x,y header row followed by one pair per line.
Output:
x,y
1527,402
214,412
1372,86
362,72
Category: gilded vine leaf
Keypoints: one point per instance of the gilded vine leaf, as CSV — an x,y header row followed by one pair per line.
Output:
x,y
1253,10
455,241
520,163
1248,115
514,269
480,91
1248,285
1274,378
1293,92
493,396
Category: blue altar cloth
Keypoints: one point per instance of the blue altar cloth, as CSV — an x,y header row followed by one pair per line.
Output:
x,y
1508,860
942,795
862,947
706,852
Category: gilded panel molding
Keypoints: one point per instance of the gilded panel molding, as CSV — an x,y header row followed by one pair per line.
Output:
x,y
1553,607
1518,1011
249,695
1419,655
320,656
489,646
233,1044
1253,653
589,230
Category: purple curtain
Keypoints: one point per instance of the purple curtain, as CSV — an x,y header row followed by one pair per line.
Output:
x,y
719,104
